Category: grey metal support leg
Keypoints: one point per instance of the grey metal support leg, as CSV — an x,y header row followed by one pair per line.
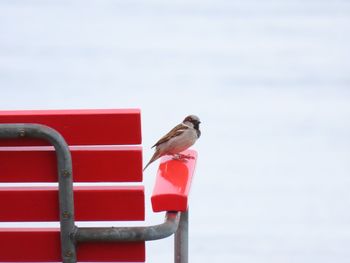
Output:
x,y
181,240
64,165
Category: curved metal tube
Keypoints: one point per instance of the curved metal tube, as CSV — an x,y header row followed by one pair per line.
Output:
x,y
103,234
64,164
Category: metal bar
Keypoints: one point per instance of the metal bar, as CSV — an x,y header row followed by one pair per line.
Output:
x,y
64,164
181,240
109,234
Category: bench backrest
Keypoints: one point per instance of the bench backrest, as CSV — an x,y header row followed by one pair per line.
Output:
x,y
103,144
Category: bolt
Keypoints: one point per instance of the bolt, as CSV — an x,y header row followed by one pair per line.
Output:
x,y
22,133
65,173
69,254
66,215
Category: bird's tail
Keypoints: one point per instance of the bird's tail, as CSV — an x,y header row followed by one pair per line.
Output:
x,y
155,156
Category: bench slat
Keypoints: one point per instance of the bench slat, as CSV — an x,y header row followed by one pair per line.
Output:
x,y
81,127
90,164
173,183
93,203
43,245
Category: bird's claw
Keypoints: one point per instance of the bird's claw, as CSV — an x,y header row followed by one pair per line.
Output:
x,y
182,156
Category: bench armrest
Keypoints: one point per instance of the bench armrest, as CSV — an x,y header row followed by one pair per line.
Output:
x,y
173,183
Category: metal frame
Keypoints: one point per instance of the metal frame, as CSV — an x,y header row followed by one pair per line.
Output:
x,y
175,222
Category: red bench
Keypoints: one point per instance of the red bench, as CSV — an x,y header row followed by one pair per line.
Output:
x,y
103,147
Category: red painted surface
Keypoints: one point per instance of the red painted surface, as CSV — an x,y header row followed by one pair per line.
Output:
x,y
173,183
90,164
81,127
94,203
43,244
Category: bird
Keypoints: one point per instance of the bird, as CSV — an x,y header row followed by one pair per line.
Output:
x,y
181,137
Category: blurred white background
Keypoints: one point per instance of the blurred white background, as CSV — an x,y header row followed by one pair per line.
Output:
x,y
269,79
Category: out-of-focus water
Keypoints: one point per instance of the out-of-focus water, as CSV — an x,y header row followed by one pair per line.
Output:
x,y
269,79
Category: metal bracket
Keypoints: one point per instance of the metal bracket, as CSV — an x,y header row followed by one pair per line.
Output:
x,y
71,234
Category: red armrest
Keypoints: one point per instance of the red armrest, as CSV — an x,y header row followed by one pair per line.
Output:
x,y
173,183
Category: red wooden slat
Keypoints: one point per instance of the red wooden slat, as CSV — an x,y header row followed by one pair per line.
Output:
x,y
90,164
81,127
43,245
95,203
173,183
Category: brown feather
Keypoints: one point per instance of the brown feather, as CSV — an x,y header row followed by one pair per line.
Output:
x,y
174,132
155,156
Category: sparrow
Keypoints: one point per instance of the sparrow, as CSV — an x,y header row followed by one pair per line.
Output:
x,y
181,137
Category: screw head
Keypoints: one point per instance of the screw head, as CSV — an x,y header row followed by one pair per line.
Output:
x,y
65,173
22,133
68,254
66,214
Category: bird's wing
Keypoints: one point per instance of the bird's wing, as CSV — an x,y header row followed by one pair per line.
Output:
x,y
173,133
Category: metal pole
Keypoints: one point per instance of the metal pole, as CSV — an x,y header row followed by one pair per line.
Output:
x,y
110,234
181,240
64,164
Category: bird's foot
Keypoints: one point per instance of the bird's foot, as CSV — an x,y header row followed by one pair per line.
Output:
x,y
187,156
180,156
